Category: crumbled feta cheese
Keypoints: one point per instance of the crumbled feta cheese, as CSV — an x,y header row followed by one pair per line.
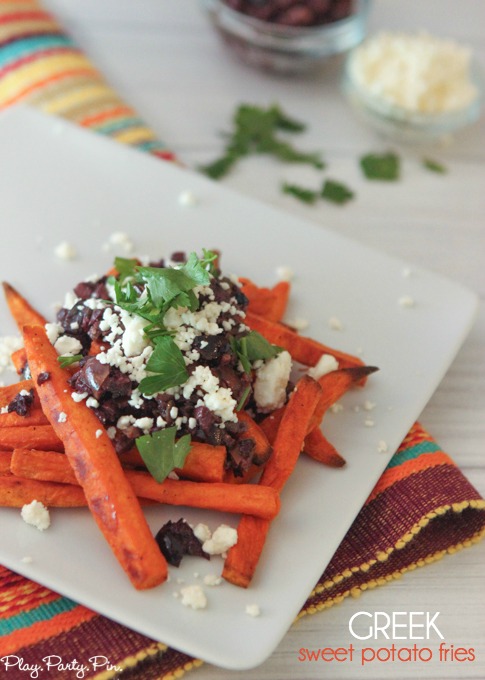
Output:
x,y
193,596
118,238
8,344
62,417
67,346
212,580
420,73
78,396
406,301
335,324
91,402
271,382
223,538
187,199
369,405
27,559
253,610
202,532
53,330
368,422
36,514
298,323
134,340
382,446
325,364
98,433
284,273
65,251
406,272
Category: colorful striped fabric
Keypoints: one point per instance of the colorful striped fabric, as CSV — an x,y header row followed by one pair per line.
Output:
x,y
40,65
444,513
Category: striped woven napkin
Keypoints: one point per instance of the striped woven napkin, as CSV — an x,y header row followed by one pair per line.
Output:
x,y
40,65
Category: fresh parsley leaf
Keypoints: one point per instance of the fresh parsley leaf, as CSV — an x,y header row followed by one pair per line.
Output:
x,y
301,193
167,362
161,453
255,131
125,267
434,166
384,166
66,361
336,192
252,347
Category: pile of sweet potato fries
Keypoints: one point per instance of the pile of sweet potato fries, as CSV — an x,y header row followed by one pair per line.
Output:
x,y
60,454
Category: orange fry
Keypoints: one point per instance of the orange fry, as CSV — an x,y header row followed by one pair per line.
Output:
x,y
109,495
253,499
242,558
304,350
5,462
16,492
320,449
9,392
204,463
19,360
35,417
40,437
270,303
22,311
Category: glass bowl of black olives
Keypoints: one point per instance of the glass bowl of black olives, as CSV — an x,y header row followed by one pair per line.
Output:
x,y
289,36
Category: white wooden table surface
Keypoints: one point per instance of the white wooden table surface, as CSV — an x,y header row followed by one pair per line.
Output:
x,y
165,59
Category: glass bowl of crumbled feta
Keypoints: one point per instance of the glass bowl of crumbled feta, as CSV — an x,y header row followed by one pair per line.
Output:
x,y
414,89
288,36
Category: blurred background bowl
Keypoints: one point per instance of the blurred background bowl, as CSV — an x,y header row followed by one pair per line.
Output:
x,y
285,47
405,125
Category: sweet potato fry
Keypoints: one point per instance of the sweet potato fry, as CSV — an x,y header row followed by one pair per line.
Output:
x,y
5,462
242,558
35,417
17,491
41,437
9,392
22,311
204,463
270,303
253,499
320,449
19,360
303,349
109,495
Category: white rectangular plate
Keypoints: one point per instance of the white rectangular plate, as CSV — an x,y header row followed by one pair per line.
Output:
x,y
60,183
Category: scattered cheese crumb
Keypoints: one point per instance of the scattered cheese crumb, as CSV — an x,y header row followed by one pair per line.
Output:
x,y
98,433
284,273
336,408
62,417
382,446
36,514
65,251
406,301
78,396
193,596
335,324
202,532
212,580
271,382
118,238
187,199
368,422
326,364
223,538
369,405
253,610
406,272
298,323
27,559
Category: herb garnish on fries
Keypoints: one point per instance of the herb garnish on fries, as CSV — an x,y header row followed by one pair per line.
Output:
x,y
166,382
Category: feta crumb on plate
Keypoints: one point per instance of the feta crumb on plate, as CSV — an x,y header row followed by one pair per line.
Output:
x,y
193,596
65,251
223,538
253,610
36,514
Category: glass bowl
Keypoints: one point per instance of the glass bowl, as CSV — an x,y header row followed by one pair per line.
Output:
x,y
408,126
287,49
